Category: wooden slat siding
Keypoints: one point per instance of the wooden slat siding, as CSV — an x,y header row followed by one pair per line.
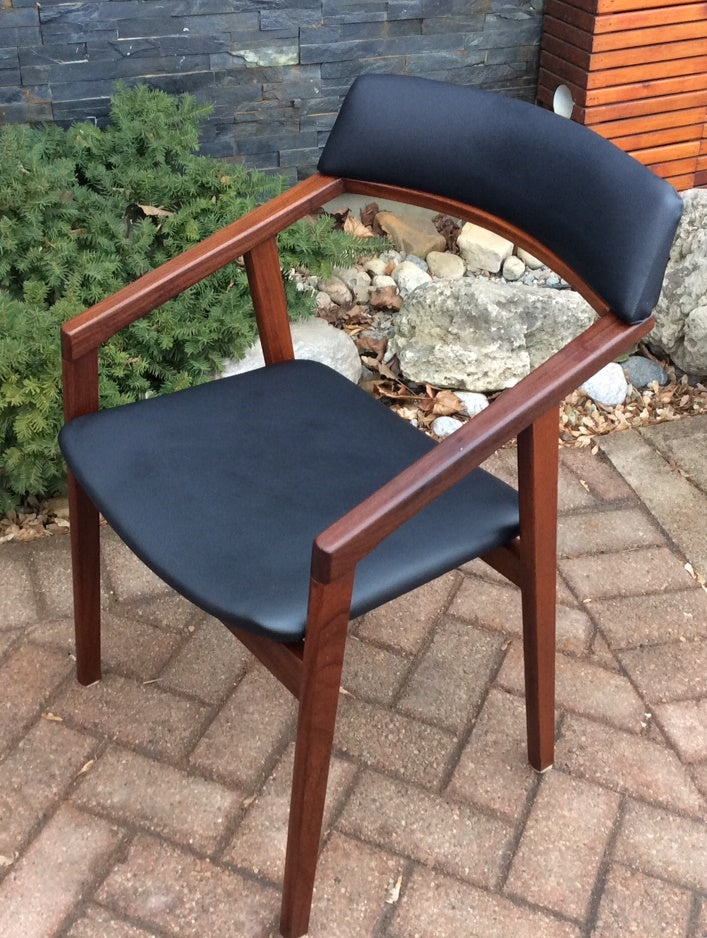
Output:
x,y
651,122
675,168
686,181
607,112
657,138
613,77
637,73
623,6
645,89
645,37
621,58
618,22
636,115
652,156
626,39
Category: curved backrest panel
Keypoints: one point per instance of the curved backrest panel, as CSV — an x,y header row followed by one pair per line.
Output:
x,y
605,215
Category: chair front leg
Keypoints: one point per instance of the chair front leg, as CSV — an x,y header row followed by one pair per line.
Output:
x,y
537,489
80,384
85,565
324,645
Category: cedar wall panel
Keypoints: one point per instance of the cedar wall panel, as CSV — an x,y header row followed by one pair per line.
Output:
x,y
637,73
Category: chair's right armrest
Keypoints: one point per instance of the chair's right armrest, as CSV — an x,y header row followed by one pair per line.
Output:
x,y
337,550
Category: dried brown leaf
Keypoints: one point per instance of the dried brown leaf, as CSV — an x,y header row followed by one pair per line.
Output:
x,y
355,228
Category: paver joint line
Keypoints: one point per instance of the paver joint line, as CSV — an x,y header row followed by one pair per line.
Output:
x,y
157,802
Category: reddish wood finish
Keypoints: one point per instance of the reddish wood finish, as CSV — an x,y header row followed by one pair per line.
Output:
x,y
352,537
327,625
311,670
262,264
621,6
537,490
282,659
80,379
506,560
634,68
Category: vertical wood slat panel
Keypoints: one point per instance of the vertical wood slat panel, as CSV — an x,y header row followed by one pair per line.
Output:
x,y
612,56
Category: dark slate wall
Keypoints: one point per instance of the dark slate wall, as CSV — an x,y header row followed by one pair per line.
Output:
x,y
275,70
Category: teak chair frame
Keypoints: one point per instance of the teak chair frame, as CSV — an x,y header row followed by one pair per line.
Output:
x,y
311,669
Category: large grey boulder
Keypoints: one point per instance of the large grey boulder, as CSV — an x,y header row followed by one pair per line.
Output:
x,y
681,313
313,339
479,335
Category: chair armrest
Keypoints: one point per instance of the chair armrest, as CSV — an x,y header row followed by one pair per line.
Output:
x,y
337,550
91,328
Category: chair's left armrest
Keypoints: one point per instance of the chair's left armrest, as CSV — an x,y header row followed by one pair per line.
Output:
x,y
91,328
337,550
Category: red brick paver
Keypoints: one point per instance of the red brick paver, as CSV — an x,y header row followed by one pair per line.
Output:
x,y
154,804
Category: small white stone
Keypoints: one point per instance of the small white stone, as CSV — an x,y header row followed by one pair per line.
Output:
x,y
337,290
444,265
529,259
482,249
409,277
473,402
356,280
513,268
445,426
375,266
383,280
313,339
608,386
323,300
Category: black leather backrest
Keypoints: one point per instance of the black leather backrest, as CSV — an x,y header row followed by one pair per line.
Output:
x,y
604,214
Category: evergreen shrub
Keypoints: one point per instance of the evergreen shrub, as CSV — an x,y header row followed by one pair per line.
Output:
x,y
77,223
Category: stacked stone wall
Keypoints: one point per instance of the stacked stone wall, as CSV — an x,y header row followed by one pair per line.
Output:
x,y
274,71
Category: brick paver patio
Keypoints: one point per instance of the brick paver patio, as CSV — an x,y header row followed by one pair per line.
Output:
x,y
155,803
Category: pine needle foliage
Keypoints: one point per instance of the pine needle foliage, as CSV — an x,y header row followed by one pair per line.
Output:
x,y
72,232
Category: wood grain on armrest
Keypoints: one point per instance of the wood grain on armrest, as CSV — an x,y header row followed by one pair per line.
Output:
x,y
358,532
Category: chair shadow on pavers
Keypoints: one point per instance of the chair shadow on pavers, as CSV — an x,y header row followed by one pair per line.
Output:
x,y
294,531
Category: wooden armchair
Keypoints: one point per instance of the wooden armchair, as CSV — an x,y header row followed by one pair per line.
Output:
x,y
295,530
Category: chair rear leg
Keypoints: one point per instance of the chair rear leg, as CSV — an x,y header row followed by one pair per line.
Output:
x,y
85,564
538,471
319,696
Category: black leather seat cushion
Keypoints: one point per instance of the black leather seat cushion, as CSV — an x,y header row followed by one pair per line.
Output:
x,y
607,216
222,488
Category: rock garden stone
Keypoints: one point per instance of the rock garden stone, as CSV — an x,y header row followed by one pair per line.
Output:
x,y
417,237
383,280
323,300
417,261
681,313
530,261
356,280
386,297
312,339
409,277
445,426
336,290
375,266
391,257
641,371
479,335
482,249
473,402
608,386
445,266
513,268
